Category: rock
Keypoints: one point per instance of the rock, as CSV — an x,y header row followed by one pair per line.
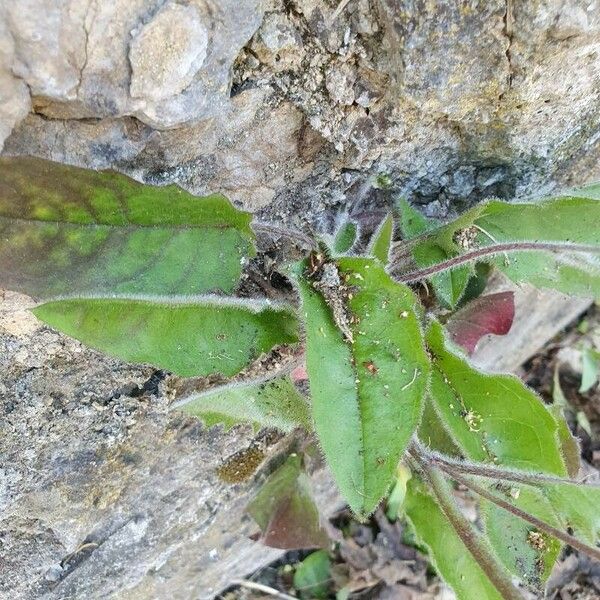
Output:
x,y
14,95
167,53
339,82
277,43
103,491
164,63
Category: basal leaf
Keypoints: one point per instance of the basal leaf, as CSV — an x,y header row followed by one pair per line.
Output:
x,y
412,222
495,418
491,418
368,371
448,553
527,553
491,314
192,336
266,402
382,240
285,510
69,230
577,507
568,444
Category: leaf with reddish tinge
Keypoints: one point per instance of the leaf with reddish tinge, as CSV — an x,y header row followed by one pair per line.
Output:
x,y
493,313
69,230
285,510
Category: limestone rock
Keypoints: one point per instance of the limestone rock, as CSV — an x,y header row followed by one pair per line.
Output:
x,y
167,53
164,63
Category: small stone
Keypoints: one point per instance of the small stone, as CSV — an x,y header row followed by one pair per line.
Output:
x,y
278,43
54,573
339,82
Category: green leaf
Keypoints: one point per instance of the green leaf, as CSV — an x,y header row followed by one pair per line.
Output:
x,y
449,286
65,229
382,240
554,243
491,418
366,394
312,576
569,446
285,510
495,418
525,552
448,553
397,496
265,402
345,237
529,552
577,506
568,221
412,222
192,336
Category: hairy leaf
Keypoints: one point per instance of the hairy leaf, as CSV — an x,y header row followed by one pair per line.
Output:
x,y
366,391
345,237
493,313
491,418
577,507
382,240
449,286
447,552
266,402
285,510
66,229
192,336
526,552
412,222
554,243
495,418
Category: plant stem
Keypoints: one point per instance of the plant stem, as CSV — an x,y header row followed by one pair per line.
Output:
x,y
291,234
452,466
478,253
472,540
541,525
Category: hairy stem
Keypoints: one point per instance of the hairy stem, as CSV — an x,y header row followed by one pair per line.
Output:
x,y
478,253
452,466
541,525
291,234
481,552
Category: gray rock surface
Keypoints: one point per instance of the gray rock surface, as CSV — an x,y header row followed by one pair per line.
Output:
x,y
103,492
296,117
